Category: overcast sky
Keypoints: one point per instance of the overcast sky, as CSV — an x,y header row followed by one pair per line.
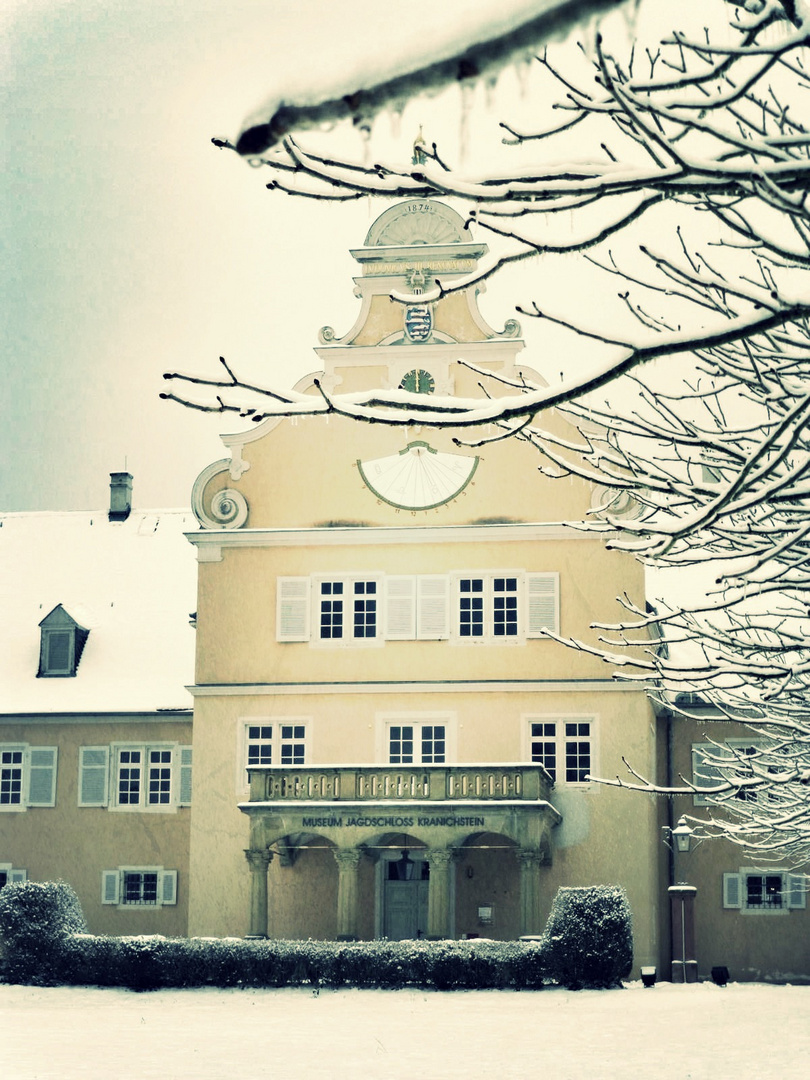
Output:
x,y
133,246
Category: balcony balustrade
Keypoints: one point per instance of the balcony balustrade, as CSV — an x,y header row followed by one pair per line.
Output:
x,y
389,783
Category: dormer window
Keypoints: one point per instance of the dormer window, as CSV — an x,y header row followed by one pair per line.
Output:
x,y
61,644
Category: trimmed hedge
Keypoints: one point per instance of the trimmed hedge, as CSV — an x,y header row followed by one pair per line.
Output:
x,y
154,962
588,940
42,928
36,919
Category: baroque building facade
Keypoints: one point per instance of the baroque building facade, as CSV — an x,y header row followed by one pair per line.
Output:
x,y
386,740
376,702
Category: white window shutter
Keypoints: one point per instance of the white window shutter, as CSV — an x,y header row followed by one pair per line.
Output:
x,y
15,876
168,887
797,885
542,604
184,758
732,890
94,768
432,607
292,608
110,881
400,608
42,776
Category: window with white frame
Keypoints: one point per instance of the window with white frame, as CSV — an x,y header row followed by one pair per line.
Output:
x,y
272,742
347,610
10,875
139,886
27,776
494,607
564,746
769,891
714,766
504,607
423,744
416,739
135,777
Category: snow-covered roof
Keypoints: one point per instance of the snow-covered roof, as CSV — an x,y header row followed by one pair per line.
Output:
x,y
132,584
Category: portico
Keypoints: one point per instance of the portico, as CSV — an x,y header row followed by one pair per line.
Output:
x,y
417,825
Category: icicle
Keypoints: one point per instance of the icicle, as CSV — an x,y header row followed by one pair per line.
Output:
x,y
395,112
467,90
522,71
489,91
364,128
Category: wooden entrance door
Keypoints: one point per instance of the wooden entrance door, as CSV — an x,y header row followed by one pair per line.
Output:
x,y
405,909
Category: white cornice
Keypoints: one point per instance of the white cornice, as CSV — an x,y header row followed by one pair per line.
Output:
x,y
583,686
210,542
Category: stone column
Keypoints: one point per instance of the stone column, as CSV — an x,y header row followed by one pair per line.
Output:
x,y
348,860
440,861
684,963
530,860
259,860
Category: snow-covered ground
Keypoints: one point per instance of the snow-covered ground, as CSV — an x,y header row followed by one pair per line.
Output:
x,y
667,1033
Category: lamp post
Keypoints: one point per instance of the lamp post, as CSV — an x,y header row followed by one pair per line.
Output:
x,y
682,908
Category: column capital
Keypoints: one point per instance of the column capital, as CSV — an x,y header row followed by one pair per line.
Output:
x,y
259,858
439,858
347,858
529,858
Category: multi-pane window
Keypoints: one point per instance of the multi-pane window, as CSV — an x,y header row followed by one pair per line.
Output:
x,y
765,891
543,746
145,776
259,744
27,776
505,606
563,747
135,777
139,886
130,767
365,609
11,776
492,607
331,610
471,607
577,752
280,743
424,744
489,606
160,777
347,610
293,744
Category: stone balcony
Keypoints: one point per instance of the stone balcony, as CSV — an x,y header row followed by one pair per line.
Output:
x,y
394,783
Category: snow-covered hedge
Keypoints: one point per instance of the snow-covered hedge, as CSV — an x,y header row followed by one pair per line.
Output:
x,y
152,962
36,919
588,940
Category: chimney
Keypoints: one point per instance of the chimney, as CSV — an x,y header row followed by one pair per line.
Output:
x,y
120,496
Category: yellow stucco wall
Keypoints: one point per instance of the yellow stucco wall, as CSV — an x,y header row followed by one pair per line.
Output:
x,y
237,640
